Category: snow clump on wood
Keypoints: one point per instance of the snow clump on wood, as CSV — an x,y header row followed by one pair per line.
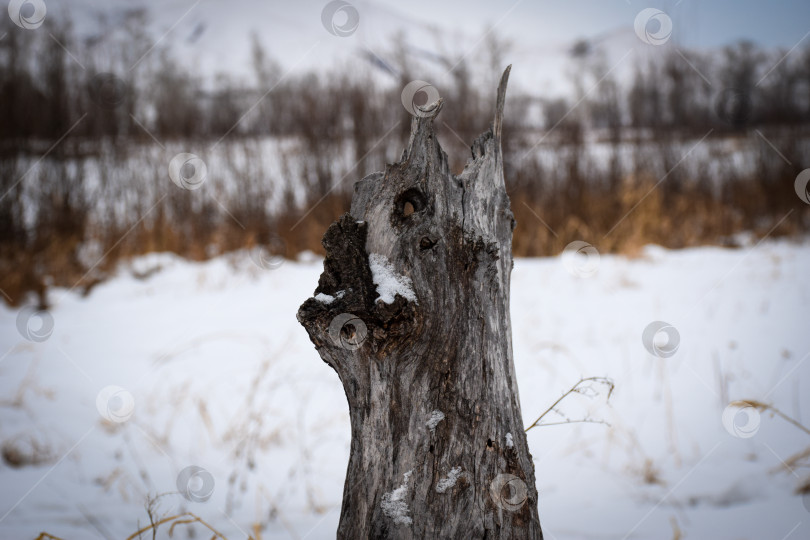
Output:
x,y
388,282
446,483
435,417
393,503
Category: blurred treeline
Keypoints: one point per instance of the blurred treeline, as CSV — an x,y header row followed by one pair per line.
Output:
x,y
696,149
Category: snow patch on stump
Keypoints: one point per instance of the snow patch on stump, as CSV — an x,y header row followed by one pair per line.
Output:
x,y
328,298
446,483
435,417
389,283
393,504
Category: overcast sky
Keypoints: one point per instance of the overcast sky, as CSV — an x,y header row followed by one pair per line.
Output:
x,y
698,23
214,35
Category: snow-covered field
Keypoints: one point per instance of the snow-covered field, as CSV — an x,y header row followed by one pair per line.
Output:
x,y
214,371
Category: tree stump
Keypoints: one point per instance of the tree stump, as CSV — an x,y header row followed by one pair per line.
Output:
x,y
412,312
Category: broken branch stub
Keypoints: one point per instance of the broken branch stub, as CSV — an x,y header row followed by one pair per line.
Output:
x,y
412,312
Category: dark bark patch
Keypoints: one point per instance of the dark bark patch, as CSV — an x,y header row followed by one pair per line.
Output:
x,y
426,243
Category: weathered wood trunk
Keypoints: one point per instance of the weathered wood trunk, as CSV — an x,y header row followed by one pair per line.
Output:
x,y
412,311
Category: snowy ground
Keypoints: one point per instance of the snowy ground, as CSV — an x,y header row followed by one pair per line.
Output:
x,y
222,377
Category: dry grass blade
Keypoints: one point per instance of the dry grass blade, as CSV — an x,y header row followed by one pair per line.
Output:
x,y
175,520
762,407
579,388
